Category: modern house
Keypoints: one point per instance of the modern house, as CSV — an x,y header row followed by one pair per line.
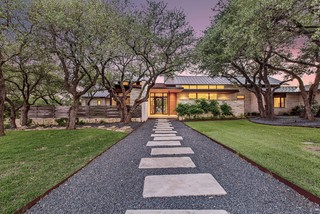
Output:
x,y
164,97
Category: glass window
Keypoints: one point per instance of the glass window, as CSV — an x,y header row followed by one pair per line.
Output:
x,y
186,86
220,86
99,102
193,86
223,97
212,87
240,97
213,96
203,96
279,102
203,87
192,95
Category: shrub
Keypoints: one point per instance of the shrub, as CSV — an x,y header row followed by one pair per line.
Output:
x,y
62,121
194,110
203,104
183,109
80,122
214,108
226,109
297,110
29,122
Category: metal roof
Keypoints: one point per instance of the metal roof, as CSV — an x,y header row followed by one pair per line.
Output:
x,y
207,80
104,94
272,80
287,89
197,80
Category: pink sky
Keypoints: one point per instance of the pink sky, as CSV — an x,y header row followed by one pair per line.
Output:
x,y
199,15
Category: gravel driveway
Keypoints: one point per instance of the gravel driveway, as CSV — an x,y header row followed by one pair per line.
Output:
x,y
113,183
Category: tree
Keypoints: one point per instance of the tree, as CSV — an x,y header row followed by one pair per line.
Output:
x,y
154,41
26,73
227,50
68,30
14,29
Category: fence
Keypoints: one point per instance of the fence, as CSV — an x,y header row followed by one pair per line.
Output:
x,y
84,112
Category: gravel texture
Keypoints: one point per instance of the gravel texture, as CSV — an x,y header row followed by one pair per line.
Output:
x,y
113,183
288,121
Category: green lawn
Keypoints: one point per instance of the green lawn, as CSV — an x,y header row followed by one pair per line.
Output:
x,y
31,162
279,149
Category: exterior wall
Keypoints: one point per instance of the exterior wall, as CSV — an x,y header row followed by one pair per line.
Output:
x,y
247,99
238,106
292,100
134,95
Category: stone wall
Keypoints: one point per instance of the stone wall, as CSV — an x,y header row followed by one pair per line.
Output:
x,y
52,122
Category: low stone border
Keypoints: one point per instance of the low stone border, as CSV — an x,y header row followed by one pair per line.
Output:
x,y
287,121
310,196
36,200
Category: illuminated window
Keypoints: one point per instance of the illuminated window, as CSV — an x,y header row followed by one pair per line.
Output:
x,y
186,86
193,87
220,86
125,83
279,102
99,102
212,87
203,86
240,97
203,96
223,97
213,96
192,95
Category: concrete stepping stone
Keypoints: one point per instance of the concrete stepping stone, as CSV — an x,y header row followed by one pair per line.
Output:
x,y
163,135
166,132
163,129
168,138
163,143
172,151
167,162
176,212
181,185
168,126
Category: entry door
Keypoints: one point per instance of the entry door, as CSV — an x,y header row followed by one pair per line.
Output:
x,y
159,103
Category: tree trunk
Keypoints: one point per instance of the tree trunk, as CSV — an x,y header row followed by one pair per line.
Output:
x,y
13,114
307,107
260,105
24,114
73,111
268,99
2,99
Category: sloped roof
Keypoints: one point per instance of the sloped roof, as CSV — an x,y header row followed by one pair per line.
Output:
x,y
197,80
287,89
207,80
101,94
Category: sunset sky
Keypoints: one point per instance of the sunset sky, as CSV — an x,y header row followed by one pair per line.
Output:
x,y
199,15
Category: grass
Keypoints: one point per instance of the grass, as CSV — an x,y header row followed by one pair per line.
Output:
x,y
278,148
31,162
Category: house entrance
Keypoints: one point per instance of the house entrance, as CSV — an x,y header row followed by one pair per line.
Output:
x,y
159,103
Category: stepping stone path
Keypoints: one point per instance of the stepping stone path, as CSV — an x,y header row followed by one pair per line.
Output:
x,y
168,144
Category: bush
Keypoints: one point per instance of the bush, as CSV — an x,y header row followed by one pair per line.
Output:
x,y
62,121
297,110
214,108
80,122
226,109
29,122
195,110
183,109
203,104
